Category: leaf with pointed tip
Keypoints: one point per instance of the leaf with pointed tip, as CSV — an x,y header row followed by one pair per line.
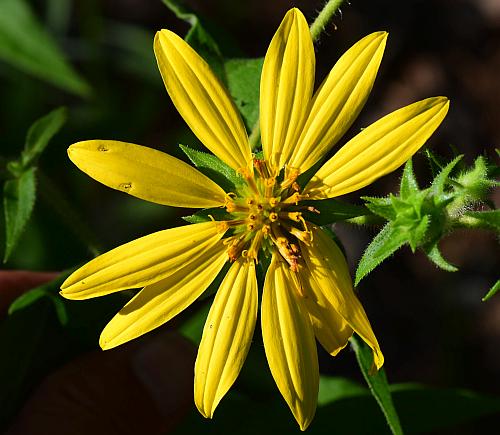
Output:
x,y
40,133
440,181
328,211
377,381
18,202
493,291
436,164
409,183
385,243
380,206
214,168
432,251
26,45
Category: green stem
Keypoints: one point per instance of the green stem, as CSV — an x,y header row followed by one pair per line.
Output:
x,y
319,24
69,216
324,17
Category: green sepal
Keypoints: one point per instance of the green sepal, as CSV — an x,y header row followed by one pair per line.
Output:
x,y
26,45
378,384
380,206
493,291
475,183
328,211
385,243
214,168
409,184
442,178
435,163
434,254
417,234
18,202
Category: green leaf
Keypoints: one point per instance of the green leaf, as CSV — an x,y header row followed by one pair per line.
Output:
x,y
432,251
243,80
493,291
387,241
40,133
332,210
44,291
409,184
18,202
214,168
26,45
378,384
198,37
219,214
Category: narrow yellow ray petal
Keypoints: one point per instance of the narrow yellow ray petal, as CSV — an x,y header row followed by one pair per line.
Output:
x,y
286,87
328,275
143,261
226,336
379,149
338,101
156,304
330,328
202,100
289,342
145,173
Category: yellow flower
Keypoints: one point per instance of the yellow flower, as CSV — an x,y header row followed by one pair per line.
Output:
x,y
307,291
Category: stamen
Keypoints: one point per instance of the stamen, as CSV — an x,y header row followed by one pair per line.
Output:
x,y
294,199
292,215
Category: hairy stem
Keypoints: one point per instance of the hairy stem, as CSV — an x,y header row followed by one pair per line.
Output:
x,y
324,18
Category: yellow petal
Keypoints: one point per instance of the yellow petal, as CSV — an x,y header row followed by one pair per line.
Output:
x,y
330,328
141,262
378,149
339,100
146,173
226,336
328,275
156,304
286,87
202,100
289,342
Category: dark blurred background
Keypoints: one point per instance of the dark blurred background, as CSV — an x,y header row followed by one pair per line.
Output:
x,y
432,325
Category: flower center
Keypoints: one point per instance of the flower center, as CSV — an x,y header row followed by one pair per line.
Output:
x,y
266,216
